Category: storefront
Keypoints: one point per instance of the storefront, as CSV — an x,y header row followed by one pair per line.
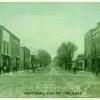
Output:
x,y
6,62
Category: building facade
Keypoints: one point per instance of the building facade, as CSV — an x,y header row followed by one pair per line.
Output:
x,y
9,49
92,49
25,59
80,62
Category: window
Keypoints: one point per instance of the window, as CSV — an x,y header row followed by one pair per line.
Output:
x,y
5,36
7,48
4,47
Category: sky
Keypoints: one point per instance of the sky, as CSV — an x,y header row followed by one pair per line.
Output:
x,y
47,25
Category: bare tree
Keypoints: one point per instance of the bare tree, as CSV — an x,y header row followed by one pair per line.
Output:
x,y
65,54
43,58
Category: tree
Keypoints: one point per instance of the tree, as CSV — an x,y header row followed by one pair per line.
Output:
x,y
65,55
43,58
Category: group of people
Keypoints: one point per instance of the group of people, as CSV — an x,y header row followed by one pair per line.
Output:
x,y
4,69
7,69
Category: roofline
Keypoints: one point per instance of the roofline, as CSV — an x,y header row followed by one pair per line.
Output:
x,y
9,32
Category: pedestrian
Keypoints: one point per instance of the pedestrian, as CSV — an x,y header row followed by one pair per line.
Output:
x,y
0,69
75,69
14,70
5,69
97,72
25,65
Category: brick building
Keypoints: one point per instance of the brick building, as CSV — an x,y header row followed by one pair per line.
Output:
x,y
25,58
92,49
9,49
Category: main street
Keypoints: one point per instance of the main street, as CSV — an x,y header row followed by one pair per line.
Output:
x,y
52,84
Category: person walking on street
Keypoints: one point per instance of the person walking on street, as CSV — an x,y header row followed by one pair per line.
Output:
x,y
75,68
0,69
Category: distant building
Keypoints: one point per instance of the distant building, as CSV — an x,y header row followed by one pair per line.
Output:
x,y
80,61
92,49
9,49
25,58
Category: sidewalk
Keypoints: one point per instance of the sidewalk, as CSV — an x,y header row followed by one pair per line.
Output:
x,y
11,73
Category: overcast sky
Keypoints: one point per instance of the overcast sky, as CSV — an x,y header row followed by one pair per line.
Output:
x,y
47,25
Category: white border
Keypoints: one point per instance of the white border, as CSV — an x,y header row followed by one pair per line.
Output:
x,y
50,98
49,0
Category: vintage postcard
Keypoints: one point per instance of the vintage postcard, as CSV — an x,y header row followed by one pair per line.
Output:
x,y
49,49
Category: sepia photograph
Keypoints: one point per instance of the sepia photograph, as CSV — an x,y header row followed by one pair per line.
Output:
x,y
49,50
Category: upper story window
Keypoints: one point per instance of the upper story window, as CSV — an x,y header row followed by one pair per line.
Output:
x,y
5,36
4,47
